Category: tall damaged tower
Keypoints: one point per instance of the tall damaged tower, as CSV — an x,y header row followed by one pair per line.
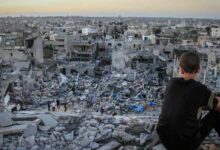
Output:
x,y
34,44
37,50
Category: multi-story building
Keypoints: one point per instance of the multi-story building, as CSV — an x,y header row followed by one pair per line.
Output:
x,y
82,50
60,42
215,32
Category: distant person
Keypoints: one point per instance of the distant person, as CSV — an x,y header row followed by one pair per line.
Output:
x,y
48,105
102,110
181,126
58,104
73,88
65,106
53,106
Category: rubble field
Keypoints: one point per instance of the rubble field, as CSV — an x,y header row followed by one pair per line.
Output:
x,y
96,83
112,112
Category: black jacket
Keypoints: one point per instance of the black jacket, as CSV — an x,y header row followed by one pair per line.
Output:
x,y
181,112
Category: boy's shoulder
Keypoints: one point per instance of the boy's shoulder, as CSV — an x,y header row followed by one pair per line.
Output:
x,y
192,82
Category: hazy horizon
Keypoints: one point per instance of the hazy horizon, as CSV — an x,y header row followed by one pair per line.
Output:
x,y
132,8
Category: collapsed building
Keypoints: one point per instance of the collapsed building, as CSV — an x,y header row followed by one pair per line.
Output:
x,y
82,50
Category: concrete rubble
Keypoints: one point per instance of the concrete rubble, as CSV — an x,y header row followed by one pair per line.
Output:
x,y
84,131
5,119
12,129
48,120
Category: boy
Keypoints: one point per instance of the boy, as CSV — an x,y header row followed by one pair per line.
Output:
x,y
181,126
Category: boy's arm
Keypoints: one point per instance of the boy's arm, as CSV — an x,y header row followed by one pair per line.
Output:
x,y
207,97
212,101
218,104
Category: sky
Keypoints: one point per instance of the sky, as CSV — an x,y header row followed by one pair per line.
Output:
x,y
147,8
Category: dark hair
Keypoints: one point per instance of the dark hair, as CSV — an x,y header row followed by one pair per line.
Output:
x,y
190,62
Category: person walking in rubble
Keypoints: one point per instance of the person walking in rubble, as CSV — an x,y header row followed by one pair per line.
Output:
x,y
58,103
48,105
181,125
53,105
102,110
65,106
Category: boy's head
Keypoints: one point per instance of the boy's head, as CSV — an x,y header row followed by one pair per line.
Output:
x,y
189,64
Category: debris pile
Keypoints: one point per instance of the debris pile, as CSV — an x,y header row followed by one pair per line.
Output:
x,y
59,130
116,93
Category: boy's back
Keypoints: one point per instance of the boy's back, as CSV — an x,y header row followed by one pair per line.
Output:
x,y
181,112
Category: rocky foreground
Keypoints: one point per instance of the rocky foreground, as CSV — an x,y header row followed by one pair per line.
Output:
x,y
55,131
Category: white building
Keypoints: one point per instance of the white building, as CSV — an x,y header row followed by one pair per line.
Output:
x,y
87,31
60,42
115,44
150,38
215,32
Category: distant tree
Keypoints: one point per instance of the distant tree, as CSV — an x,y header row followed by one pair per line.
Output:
x,y
208,30
194,35
156,31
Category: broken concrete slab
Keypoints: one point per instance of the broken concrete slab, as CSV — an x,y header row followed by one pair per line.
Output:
x,y
12,129
28,113
5,119
48,120
29,141
30,130
60,129
20,148
94,145
159,147
123,136
35,147
68,137
110,146
11,146
22,117
44,128
37,121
